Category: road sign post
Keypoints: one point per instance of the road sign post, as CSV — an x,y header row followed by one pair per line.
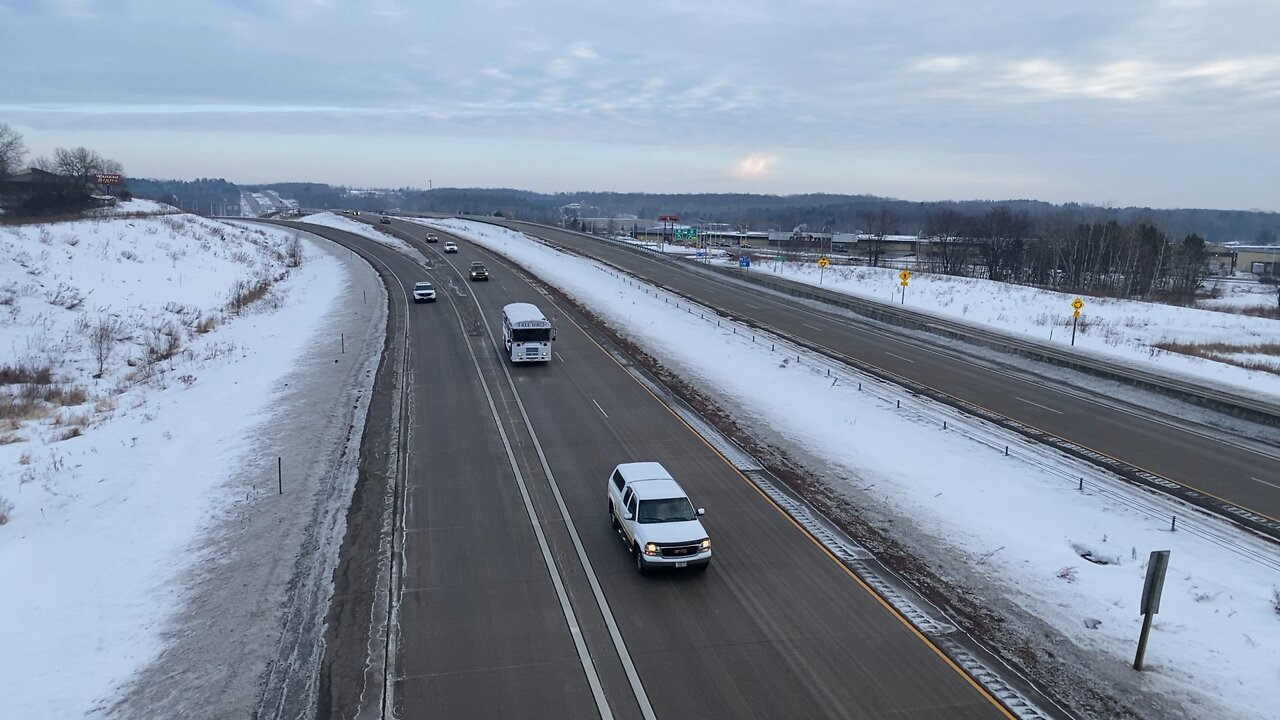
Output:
x,y
823,262
1157,566
905,277
1075,318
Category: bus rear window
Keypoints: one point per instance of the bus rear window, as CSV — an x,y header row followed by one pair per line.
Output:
x,y
530,334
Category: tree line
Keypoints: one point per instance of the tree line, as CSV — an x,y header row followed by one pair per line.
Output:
x,y
1133,259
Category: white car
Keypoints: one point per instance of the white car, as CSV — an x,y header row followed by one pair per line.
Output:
x,y
450,247
424,292
656,519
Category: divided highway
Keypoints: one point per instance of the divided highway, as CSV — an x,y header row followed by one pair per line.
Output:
x,y
517,598
1242,473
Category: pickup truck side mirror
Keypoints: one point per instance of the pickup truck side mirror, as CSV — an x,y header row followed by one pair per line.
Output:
x,y
626,515
702,511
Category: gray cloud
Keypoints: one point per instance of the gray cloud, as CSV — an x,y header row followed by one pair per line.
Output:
x,y
1003,95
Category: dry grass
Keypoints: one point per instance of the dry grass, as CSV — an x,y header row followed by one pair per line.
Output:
x,y
1272,313
6,507
9,438
14,408
72,432
17,374
208,324
1223,352
247,293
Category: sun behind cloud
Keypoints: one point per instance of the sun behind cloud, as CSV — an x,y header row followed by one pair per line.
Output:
x,y
754,167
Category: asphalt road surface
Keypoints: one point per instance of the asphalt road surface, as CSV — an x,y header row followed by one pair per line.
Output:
x,y
1241,472
519,599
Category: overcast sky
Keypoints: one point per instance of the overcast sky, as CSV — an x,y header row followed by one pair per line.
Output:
x,y
1167,103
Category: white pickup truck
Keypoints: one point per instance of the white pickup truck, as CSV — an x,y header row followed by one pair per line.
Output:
x,y
655,518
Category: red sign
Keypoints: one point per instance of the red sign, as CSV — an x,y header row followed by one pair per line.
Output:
x,y
668,218
109,179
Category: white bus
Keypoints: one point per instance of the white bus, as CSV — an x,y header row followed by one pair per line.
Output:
x,y
527,333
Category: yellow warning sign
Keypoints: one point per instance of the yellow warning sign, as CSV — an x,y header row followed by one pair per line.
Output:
x,y
823,261
1077,304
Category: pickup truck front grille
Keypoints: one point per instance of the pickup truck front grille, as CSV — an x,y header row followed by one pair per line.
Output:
x,y
678,551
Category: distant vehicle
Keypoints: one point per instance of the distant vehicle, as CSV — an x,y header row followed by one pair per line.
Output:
x,y
479,271
431,237
527,333
385,220
355,212
450,247
424,292
657,521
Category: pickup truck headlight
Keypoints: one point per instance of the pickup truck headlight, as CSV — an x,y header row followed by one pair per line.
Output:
x,y
650,549
705,545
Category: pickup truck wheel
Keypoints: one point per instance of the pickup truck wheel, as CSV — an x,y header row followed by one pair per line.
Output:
x,y
613,519
640,565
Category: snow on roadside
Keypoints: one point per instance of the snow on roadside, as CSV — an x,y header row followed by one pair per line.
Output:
x,y
1012,528
114,476
338,222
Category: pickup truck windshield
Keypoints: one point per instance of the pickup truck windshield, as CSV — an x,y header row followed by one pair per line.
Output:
x,y
670,510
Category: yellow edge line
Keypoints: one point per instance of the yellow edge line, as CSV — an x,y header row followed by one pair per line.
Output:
x,y
861,583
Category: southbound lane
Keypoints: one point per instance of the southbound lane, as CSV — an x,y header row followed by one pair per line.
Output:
x,y
777,627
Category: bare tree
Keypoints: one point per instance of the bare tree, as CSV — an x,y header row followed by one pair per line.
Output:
x,y
877,224
952,248
293,251
79,163
1002,236
12,150
102,339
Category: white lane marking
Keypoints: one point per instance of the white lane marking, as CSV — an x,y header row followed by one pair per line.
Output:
x,y
1043,407
602,412
633,677
815,327
1264,482
913,362
575,630
558,357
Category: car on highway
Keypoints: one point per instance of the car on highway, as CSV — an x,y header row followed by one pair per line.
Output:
x,y
385,220
479,271
450,247
657,521
431,237
424,292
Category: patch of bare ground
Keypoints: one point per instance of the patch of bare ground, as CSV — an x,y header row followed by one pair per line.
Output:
x,y
1226,353
1056,672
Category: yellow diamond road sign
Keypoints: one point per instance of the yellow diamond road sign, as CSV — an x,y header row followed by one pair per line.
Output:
x,y
904,276
823,261
1077,304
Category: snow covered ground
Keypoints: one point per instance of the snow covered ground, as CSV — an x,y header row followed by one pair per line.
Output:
x,y
169,343
1008,529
